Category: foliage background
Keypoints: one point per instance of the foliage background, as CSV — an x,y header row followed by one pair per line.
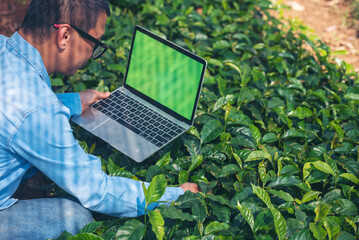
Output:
x,y
275,142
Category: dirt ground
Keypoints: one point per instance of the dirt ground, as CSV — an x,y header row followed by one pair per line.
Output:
x,y
328,20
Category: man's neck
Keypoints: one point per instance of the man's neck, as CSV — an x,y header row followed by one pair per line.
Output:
x,y
45,50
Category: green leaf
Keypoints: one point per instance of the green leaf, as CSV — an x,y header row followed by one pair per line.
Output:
x,y
332,228
279,223
162,19
309,196
352,224
95,67
338,130
157,223
164,160
57,82
293,133
344,235
222,85
301,113
344,207
195,162
281,194
156,189
350,177
318,231
324,167
91,227
211,130
85,236
258,155
193,131
234,67
331,162
199,211
243,142
256,133
321,211
220,199
187,199
284,181
215,62
262,194
192,237
122,173
352,96
229,170
206,187
175,213
215,227
262,172
183,177
306,170
131,230
152,171
224,102
112,168
302,235
248,216
280,111
222,44
259,46
245,95
269,138
222,213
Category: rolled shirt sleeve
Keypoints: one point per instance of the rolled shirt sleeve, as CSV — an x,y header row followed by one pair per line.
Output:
x,y
55,152
72,101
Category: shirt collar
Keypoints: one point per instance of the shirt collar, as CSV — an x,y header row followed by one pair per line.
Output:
x,y
31,55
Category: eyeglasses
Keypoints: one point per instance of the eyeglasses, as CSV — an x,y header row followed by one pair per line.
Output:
x,y
100,47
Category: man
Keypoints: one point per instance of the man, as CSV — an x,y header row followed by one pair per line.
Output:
x,y
57,36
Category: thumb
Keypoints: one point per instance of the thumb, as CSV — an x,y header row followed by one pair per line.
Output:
x,y
101,95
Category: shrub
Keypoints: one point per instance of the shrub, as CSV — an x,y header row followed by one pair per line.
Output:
x,y
274,146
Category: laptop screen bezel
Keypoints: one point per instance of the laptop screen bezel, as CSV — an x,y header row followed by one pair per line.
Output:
x,y
179,49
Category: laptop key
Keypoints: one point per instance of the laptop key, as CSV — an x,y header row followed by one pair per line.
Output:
x,y
159,144
160,139
166,136
129,126
171,133
102,103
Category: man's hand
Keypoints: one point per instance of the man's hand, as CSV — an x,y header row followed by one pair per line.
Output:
x,y
90,96
190,187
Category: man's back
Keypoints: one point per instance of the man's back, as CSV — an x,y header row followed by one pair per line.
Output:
x,y
23,92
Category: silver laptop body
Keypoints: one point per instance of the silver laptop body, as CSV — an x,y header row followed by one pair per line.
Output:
x,y
157,102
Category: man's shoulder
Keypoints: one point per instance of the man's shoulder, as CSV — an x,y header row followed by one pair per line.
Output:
x,y
3,38
23,87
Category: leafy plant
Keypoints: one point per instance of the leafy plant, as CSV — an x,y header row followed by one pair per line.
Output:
x,y
275,142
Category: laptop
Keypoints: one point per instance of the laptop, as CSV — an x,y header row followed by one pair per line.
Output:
x,y
157,102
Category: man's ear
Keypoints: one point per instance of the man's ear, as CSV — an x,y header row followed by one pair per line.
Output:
x,y
63,36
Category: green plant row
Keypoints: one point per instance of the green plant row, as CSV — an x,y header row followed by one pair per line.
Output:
x,y
274,147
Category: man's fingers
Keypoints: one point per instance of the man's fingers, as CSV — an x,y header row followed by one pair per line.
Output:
x,y
90,96
190,187
100,95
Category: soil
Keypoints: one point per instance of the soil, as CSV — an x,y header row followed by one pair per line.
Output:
x,y
328,19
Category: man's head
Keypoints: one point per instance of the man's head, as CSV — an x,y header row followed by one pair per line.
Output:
x,y
58,27
42,14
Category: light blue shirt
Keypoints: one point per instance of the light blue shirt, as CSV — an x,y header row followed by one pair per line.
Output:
x,y
35,131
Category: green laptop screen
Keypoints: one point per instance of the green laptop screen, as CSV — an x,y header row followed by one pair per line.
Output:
x,y
164,74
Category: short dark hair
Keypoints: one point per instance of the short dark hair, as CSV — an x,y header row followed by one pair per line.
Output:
x,y
42,14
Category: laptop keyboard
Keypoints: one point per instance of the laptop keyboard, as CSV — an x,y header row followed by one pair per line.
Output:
x,y
139,118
